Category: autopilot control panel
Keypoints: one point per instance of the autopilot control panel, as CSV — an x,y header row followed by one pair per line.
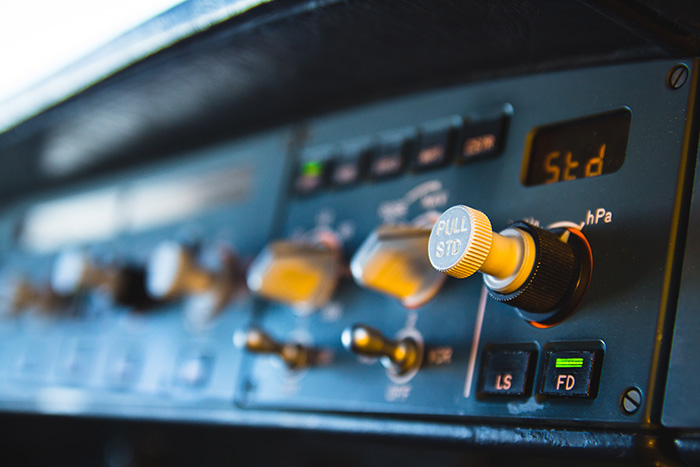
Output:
x,y
499,251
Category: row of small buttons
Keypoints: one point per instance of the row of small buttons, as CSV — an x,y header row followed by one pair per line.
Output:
x,y
434,148
569,373
78,363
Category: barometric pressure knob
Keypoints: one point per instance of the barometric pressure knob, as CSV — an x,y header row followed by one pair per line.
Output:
x,y
393,260
295,273
294,355
397,356
74,271
542,273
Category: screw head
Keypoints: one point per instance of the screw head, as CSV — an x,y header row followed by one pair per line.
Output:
x,y
631,401
678,76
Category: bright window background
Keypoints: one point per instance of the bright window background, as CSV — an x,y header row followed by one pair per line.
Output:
x,y
38,38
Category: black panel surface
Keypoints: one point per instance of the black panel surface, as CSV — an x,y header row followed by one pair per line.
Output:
x,y
618,316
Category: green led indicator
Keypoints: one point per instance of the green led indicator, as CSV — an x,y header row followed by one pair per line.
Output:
x,y
311,169
569,362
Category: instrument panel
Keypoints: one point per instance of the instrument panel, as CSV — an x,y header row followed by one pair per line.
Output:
x,y
289,271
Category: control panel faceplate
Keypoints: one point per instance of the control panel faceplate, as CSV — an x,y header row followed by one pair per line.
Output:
x,y
626,216
422,344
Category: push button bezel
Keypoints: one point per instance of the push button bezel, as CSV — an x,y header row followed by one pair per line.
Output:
x,y
529,373
594,374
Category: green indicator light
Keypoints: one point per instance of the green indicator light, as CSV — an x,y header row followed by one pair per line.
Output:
x,y
569,362
311,169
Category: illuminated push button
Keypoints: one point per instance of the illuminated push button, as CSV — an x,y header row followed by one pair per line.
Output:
x,y
435,149
572,373
294,355
298,274
389,160
524,266
507,373
348,171
482,139
393,261
397,356
311,177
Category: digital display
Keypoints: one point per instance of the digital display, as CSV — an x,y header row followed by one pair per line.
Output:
x,y
582,148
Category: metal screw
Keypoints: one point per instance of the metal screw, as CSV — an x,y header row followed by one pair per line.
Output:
x,y
678,76
631,401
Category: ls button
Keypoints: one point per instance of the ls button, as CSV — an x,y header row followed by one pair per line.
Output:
x,y
572,374
507,373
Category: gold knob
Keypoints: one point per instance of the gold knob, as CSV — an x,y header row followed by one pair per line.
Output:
x,y
297,274
393,260
399,357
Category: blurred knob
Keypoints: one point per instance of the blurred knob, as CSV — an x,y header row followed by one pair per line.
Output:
x,y
74,271
21,295
174,272
394,260
397,356
293,354
297,274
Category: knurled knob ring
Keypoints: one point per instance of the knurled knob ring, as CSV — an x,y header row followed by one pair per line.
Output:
x,y
471,253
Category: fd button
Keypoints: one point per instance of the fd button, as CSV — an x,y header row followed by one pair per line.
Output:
x,y
507,373
572,374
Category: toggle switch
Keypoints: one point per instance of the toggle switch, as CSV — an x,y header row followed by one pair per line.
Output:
x,y
542,273
393,261
173,272
294,354
74,271
21,295
397,356
301,275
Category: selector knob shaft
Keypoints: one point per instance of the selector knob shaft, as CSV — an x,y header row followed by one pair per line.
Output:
x,y
294,355
535,270
298,274
397,356
173,272
393,260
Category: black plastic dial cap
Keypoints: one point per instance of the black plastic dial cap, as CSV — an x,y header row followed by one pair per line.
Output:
x,y
552,274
